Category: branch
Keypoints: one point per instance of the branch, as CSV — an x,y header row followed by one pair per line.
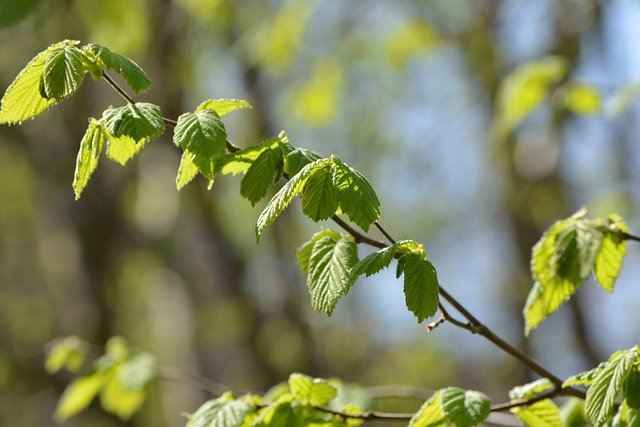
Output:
x,y
628,236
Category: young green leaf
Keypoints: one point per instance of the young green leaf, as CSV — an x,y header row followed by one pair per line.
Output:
x,y
329,266
65,353
281,413
225,411
138,121
23,99
373,263
356,196
531,389
138,372
303,254
88,156
203,133
286,194
135,76
241,161
584,378
118,399
420,286
316,391
541,414
299,158
63,72
608,383
613,248
223,106
261,175
464,408
572,413
319,194
79,394
187,170
430,414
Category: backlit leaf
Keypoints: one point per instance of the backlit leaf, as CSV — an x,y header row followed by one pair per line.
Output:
x,y
261,175
224,411
79,394
88,156
430,414
319,196
420,286
613,249
356,197
223,106
316,391
63,72
464,408
135,76
187,170
541,414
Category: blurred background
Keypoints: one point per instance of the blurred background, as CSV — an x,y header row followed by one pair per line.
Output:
x,y
406,92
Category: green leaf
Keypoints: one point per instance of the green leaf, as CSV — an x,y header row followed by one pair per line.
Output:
x,y
23,99
373,263
224,411
203,133
299,158
241,161
430,414
524,90
138,372
65,353
584,378
279,414
464,408
319,194
63,72
79,394
613,249
187,170
631,389
138,121
303,254
581,99
420,286
135,76
356,196
88,156
329,266
286,194
541,414
608,383
223,106
532,389
316,391
261,175
572,413
119,399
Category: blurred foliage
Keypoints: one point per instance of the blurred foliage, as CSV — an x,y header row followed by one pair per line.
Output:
x,y
407,92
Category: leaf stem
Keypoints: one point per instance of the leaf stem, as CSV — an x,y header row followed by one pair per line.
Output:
x,y
117,88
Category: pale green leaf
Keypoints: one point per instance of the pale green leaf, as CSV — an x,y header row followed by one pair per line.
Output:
x,y
187,170
316,391
464,408
531,389
241,161
319,195
602,394
261,175
135,76
572,413
79,394
581,99
88,156
541,414
286,194
430,414
203,133
118,399
584,378
279,414
63,72
224,411
373,263
524,90
613,249
223,106
420,286
65,353
23,99
356,197
137,372
122,149
303,254
329,266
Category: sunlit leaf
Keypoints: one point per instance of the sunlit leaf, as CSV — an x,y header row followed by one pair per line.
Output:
x,y
187,170
223,106
303,255
541,414
23,99
464,408
88,156
430,414
79,394
420,286
225,411
581,99
316,391
135,76
65,353
261,175
63,72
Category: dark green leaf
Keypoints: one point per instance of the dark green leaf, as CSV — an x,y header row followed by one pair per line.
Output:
x,y
63,72
135,76
138,121
464,408
356,196
632,388
373,263
260,175
420,286
299,158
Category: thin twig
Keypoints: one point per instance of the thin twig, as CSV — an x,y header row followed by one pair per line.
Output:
x,y
384,232
117,88
628,236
